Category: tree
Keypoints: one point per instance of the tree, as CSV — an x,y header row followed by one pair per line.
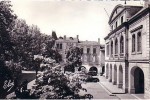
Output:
x,y
54,35
6,18
9,68
28,42
73,58
56,85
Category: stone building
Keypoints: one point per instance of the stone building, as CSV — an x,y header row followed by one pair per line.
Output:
x,y
127,56
92,55
93,52
64,43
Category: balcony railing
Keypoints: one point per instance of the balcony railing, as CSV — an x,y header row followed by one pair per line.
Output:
x,y
121,55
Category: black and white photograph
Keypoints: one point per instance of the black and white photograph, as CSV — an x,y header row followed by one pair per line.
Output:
x,y
75,49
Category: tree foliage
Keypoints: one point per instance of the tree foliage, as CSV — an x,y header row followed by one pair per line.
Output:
x,y
73,59
54,84
9,67
29,41
6,18
54,35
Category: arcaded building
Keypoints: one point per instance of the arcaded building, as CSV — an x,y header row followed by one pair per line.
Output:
x,y
127,52
93,54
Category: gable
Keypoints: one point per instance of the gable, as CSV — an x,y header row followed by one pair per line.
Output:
x,y
115,12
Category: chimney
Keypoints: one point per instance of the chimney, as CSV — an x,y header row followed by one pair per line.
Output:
x,y
146,3
78,37
64,37
99,40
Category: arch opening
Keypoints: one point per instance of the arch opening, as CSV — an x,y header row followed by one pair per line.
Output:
x,y
137,80
103,69
110,74
120,77
107,71
93,71
115,75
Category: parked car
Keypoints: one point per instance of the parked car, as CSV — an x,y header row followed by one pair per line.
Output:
x,y
92,79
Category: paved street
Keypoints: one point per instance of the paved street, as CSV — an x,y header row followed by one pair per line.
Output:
x,y
97,91
100,92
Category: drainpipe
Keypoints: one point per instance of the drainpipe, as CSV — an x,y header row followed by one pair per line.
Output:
x,y
126,57
126,52
149,50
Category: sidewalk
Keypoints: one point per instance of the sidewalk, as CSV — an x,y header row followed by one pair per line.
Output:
x,y
113,89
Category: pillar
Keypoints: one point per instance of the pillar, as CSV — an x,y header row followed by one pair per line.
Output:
x,y
113,80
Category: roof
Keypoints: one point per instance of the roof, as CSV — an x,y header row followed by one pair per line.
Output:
x,y
68,39
133,13
122,8
93,43
137,15
89,43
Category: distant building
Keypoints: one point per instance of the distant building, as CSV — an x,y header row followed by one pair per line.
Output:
x,y
92,55
64,43
93,51
127,49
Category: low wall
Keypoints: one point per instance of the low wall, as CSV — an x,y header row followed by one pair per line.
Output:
x,y
29,75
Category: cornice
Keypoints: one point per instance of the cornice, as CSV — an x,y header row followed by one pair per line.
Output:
x,y
125,24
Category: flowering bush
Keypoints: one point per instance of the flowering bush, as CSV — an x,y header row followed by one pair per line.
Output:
x,y
56,85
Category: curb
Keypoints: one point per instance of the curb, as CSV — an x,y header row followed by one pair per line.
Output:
x,y
109,93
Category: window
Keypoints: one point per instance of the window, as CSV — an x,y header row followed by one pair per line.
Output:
x,y
116,24
133,43
60,46
111,47
88,50
121,19
107,49
112,27
139,42
94,50
121,45
57,45
116,46
116,11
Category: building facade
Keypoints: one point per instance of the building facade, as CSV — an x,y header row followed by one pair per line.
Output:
x,y
92,52
127,56
64,43
93,55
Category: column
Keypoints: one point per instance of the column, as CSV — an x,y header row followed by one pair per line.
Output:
x,y
109,49
113,78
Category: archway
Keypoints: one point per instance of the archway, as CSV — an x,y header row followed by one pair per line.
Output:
x,y
103,69
107,71
93,71
110,73
115,75
82,68
120,77
137,79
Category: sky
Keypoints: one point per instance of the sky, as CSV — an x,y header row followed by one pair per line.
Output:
x,y
86,18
